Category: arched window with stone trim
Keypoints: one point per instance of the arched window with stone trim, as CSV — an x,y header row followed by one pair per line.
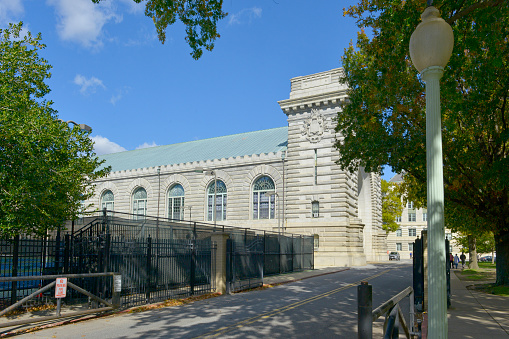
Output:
x,y
176,202
263,206
139,203
220,193
108,200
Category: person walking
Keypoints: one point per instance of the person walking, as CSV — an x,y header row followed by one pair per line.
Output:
x,y
456,260
463,258
451,260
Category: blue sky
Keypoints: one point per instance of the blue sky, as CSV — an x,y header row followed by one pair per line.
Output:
x,y
111,72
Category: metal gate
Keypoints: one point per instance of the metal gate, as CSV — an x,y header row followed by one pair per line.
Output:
x,y
419,273
244,264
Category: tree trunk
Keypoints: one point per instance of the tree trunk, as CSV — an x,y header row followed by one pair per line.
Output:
x,y
502,248
472,253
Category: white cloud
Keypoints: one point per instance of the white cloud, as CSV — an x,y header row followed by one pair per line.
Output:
x,y
245,15
147,145
104,146
10,11
115,98
82,21
89,85
134,7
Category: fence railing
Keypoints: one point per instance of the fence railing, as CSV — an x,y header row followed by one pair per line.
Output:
x,y
394,318
158,258
111,301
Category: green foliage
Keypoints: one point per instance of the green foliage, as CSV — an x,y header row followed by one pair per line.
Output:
x,y
200,18
384,122
392,207
46,167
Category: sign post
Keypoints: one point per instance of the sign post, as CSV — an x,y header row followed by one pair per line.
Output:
x,y
60,292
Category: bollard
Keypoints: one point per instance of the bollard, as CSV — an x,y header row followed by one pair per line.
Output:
x,y
365,309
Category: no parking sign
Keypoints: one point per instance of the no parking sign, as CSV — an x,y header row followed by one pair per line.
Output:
x,y
61,287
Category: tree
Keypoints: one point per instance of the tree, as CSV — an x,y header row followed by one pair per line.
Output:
x,y
384,121
46,167
200,18
392,207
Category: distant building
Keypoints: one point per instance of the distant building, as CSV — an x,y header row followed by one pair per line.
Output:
x,y
313,196
412,222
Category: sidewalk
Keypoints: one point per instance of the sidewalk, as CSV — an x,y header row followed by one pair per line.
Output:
x,y
271,280
476,314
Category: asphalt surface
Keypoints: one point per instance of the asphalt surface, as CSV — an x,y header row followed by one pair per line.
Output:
x,y
320,307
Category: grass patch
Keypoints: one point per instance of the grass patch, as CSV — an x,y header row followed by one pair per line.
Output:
x,y
500,290
477,275
487,265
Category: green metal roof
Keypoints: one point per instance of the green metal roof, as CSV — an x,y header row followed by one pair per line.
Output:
x,y
251,143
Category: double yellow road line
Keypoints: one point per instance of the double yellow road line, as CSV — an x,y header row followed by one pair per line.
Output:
x,y
277,311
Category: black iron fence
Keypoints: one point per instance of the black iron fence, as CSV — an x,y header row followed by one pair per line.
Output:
x,y
252,256
157,258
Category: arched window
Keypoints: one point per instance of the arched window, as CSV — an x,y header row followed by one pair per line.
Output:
x,y
176,202
108,201
139,203
220,201
263,206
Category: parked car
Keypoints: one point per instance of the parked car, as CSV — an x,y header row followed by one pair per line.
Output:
x,y
394,256
487,258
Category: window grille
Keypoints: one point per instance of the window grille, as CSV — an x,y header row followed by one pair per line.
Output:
x,y
108,201
263,206
221,198
176,202
139,204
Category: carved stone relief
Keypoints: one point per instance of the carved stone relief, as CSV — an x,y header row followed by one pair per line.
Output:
x,y
314,127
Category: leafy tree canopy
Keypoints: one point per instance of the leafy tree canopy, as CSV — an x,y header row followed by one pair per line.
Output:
x,y
392,207
199,16
384,122
46,167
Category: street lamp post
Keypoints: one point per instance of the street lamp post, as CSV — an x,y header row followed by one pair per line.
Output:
x,y
431,47
269,194
210,172
83,127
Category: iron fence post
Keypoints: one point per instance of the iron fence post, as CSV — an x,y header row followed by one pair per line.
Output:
x,y
193,266
364,310
147,269
67,252
15,256
57,252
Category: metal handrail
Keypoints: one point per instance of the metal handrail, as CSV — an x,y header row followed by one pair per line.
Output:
x,y
110,305
393,314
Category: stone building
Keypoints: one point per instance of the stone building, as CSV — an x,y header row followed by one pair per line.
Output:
x,y
278,179
412,222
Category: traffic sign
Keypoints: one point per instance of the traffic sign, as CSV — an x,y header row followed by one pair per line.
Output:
x,y
61,288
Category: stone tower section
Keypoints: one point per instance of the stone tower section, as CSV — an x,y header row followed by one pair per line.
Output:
x,y
319,197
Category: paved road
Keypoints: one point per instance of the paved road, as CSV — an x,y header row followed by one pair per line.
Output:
x,y
319,307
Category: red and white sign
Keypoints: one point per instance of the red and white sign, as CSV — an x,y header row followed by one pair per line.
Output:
x,y
61,288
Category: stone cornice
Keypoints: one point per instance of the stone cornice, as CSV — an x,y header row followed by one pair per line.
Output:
x,y
318,100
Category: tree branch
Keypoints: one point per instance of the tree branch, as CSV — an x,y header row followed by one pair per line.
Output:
x,y
478,5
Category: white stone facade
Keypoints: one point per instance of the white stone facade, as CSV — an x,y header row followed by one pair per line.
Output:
x,y
346,221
